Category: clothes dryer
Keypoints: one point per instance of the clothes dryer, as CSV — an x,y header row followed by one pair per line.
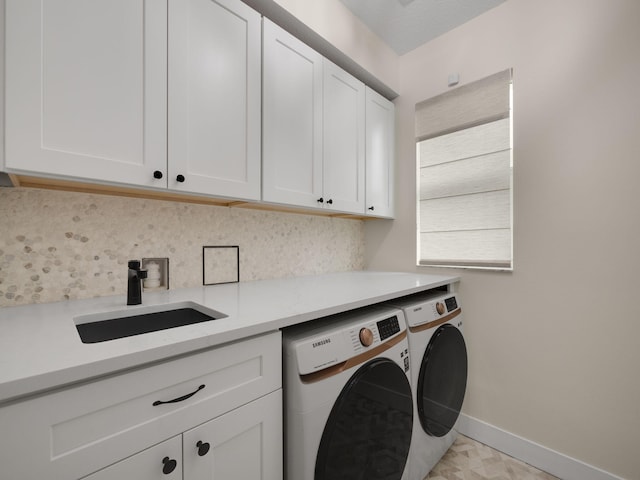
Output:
x,y
438,374
348,403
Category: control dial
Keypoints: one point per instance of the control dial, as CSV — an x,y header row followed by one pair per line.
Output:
x,y
440,308
366,337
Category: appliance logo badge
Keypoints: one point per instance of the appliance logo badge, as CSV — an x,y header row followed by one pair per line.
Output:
x,y
322,342
417,309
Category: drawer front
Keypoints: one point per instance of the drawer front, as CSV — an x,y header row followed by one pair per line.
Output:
x,y
76,431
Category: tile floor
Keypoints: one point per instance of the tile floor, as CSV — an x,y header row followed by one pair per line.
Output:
x,y
470,460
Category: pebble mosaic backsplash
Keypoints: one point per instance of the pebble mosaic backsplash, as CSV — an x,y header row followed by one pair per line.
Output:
x,y
62,245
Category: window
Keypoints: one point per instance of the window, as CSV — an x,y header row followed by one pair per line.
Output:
x,y
464,159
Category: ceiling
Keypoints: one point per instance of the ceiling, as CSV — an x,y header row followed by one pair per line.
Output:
x,y
407,24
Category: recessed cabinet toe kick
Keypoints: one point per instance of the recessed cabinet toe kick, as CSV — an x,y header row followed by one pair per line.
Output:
x,y
213,414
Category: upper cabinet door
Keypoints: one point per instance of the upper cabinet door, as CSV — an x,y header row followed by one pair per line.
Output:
x,y
343,140
380,152
86,89
214,98
292,120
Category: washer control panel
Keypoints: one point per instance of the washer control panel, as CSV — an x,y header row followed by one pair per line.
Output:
x,y
345,336
372,333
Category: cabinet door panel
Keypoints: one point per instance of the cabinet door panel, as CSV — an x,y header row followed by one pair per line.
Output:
x,y
380,152
343,140
147,465
214,97
292,120
245,443
86,88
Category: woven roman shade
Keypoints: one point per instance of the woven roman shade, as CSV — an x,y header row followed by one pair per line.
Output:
x,y
465,176
479,102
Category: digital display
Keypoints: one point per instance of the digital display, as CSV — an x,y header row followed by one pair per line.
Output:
x,y
451,304
388,327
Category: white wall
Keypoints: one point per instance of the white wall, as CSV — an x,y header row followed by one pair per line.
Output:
x,y
553,346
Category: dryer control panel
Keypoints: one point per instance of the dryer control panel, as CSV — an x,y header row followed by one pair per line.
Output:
x,y
422,309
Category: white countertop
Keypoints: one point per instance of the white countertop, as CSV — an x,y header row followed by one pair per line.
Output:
x,y
40,348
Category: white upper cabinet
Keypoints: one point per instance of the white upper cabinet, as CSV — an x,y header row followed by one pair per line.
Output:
x,y
313,128
214,97
292,120
85,91
343,140
380,154
193,96
87,95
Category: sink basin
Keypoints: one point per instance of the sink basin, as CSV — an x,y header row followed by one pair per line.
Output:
x,y
101,327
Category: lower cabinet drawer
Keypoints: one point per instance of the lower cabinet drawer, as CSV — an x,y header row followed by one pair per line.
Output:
x,y
76,431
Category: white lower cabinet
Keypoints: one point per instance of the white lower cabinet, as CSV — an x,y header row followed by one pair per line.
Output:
x,y
159,461
245,444
146,423
242,444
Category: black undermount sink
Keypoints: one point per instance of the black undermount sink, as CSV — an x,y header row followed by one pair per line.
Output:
x,y
101,327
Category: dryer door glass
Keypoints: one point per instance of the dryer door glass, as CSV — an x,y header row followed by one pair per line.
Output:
x,y
368,432
442,381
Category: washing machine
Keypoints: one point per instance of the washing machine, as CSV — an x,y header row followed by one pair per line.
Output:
x,y
347,397
438,374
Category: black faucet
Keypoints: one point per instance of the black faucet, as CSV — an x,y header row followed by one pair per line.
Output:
x,y
134,283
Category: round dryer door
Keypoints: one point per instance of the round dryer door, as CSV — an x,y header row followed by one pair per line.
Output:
x,y
368,432
442,381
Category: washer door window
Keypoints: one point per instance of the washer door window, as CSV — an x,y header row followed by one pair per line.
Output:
x,y
368,432
442,381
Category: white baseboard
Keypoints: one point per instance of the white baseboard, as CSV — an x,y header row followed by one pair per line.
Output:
x,y
542,458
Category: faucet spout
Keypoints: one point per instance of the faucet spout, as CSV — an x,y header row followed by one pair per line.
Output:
x,y
134,283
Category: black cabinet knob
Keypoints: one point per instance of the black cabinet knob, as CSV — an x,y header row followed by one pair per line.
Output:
x,y
203,448
157,174
169,465
321,200
371,208
330,202
180,178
